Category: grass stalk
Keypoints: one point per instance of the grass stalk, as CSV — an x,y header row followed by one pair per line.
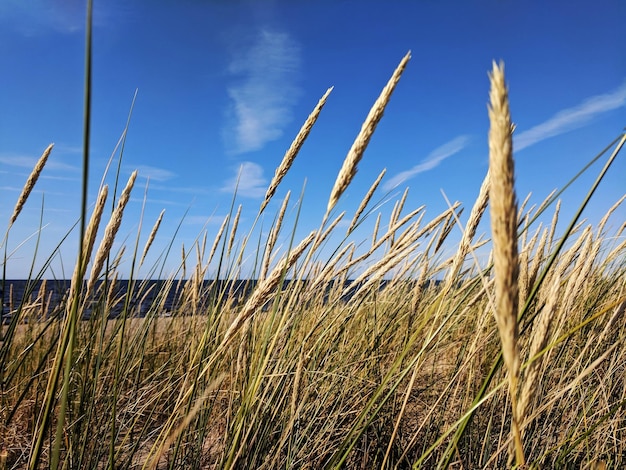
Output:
x,y
504,233
338,351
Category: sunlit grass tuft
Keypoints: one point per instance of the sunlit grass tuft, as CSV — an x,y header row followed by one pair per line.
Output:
x,y
342,352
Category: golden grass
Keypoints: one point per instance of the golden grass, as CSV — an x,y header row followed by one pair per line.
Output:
x,y
349,168
366,199
30,184
273,236
104,250
345,356
152,235
265,289
293,150
90,235
504,235
478,209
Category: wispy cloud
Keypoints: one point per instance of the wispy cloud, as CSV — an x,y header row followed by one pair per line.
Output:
x,y
154,173
10,188
251,183
431,161
18,161
61,178
188,190
261,100
572,118
159,202
68,149
214,220
29,162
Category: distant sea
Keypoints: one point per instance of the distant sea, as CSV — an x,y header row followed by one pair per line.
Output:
x,y
146,292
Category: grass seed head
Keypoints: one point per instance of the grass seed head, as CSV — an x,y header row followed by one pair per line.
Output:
x,y
349,167
293,150
153,233
112,227
90,233
30,184
366,201
504,235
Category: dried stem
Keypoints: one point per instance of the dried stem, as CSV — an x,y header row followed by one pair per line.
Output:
x,y
293,150
349,167
504,233
30,184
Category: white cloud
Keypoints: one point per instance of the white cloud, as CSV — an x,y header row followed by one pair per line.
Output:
x,y
29,162
260,103
214,220
154,173
19,161
251,183
192,190
432,160
61,178
571,118
71,149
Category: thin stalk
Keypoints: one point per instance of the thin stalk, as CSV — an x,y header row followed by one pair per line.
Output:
x,y
66,347
69,358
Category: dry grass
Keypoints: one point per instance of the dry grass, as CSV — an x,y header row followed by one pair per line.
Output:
x,y
353,357
293,150
504,235
349,167
104,250
366,200
30,184
153,233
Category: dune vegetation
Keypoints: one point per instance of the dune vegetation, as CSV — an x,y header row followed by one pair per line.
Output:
x,y
396,356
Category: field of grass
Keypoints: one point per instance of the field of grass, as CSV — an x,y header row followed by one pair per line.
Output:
x,y
515,362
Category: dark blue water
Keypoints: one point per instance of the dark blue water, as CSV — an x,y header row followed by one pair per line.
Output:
x,y
145,295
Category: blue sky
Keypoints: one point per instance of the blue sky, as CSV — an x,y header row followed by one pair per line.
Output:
x,y
224,86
